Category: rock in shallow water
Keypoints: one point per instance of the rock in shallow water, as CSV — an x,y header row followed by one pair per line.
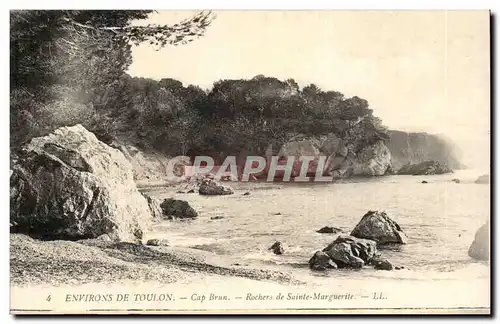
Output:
x,y
480,247
175,208
321,262
277,248
210,187
351,252
70,185
377,226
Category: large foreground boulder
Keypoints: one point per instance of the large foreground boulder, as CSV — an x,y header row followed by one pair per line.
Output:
x,y
480,247
351,252
211,187
377,226
424,168
176,208
70,185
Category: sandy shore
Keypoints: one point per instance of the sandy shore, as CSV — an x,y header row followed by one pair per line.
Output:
x,y
93,261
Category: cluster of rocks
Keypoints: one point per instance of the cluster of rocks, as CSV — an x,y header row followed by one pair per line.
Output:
x,y
360,247
424,168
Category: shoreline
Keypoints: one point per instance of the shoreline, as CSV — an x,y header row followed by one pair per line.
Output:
x,y
90,261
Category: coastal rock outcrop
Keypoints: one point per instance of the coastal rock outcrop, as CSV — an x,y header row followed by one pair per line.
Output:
x,y
321,261
211,187
351,252
70,185
342,159
484,179
424,168
377,226
176,208
480,247
372,160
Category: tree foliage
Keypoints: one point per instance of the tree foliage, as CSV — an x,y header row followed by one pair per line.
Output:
x,y
85,51
68,67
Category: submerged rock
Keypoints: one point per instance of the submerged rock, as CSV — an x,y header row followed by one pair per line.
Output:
x,y
277,248
70,185
157,242
456,180
211,187
246,194
177,208
480,247
351,252
329,230
424,168
321,261
424,181
217,217
485,178
377,226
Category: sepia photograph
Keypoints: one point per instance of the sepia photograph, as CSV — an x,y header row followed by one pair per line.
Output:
x,y
250,162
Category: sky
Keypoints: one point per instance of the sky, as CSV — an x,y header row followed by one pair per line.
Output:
x,y
419,70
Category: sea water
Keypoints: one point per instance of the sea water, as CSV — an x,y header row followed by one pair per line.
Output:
x,y
439,217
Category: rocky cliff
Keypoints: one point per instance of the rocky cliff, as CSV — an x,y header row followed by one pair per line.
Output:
x,y
410,148
342,159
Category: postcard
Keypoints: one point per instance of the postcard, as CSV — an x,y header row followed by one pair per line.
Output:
x,y
249,162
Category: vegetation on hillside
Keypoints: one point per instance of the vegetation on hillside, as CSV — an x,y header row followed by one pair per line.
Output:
x,y
68,67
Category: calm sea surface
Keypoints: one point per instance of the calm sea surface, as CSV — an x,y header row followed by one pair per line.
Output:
x,y
440,219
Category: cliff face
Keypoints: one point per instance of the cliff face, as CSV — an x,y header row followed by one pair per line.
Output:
x,y
419,147
342,160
